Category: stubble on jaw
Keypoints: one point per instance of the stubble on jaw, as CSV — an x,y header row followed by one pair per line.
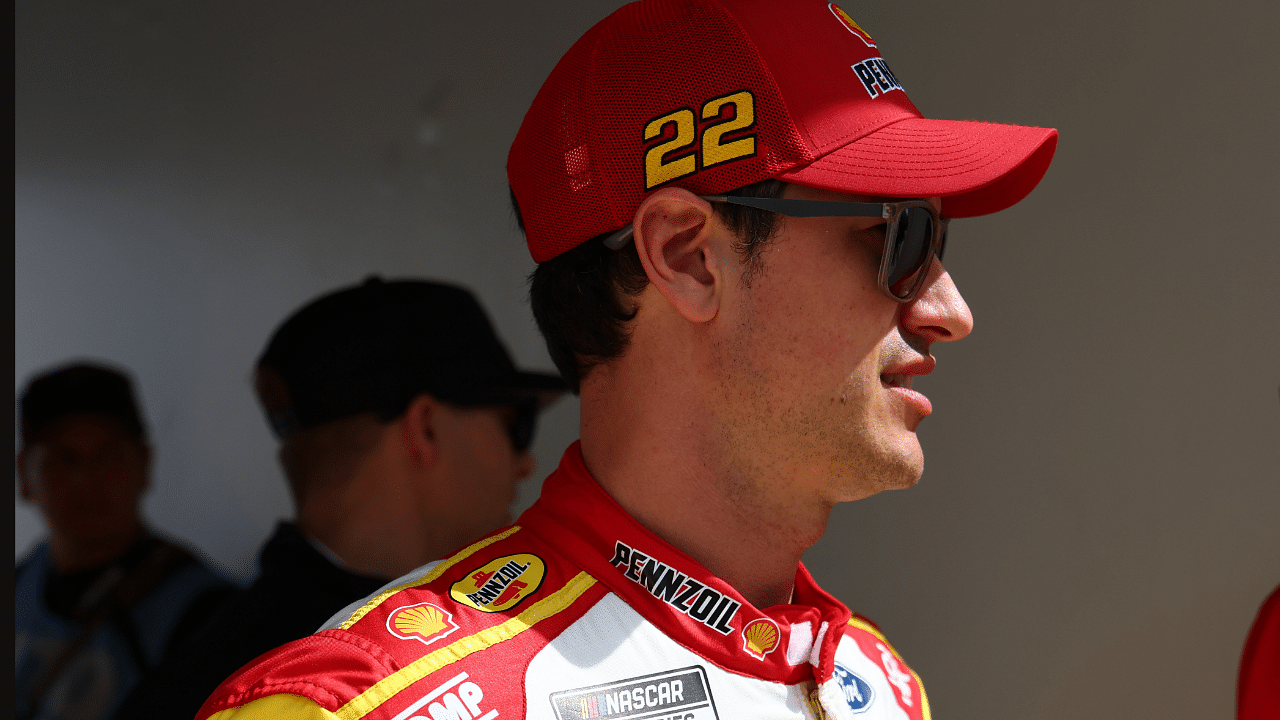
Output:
x,y
782,478
787,459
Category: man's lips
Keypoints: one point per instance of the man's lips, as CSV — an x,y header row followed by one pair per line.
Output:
x,y
898,379
902,374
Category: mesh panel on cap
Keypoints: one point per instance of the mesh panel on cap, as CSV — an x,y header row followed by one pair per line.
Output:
x,y
577,164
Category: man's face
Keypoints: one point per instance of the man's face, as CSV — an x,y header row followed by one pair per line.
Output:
x,y
87,475
819,365
482,467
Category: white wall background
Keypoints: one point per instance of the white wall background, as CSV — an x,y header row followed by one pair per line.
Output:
x,y
1091,535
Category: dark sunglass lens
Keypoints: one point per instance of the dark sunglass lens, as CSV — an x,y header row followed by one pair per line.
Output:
x,y
910,249
523,425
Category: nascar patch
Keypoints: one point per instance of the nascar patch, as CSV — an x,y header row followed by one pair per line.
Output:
x,y
500,584
682,693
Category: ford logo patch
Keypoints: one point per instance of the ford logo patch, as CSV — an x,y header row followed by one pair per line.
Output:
x,y
857,692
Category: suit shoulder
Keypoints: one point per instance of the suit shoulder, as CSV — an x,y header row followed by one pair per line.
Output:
x,y
465,620
329,668
483,584
871,642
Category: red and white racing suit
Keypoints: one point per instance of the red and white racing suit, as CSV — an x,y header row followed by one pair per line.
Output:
x,y
578,612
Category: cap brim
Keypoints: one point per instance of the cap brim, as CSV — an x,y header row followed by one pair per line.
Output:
x,y
976,167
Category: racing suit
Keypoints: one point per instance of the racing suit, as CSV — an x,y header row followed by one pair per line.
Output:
x,y
578,612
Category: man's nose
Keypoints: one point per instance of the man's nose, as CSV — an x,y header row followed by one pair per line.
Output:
x,y
938,313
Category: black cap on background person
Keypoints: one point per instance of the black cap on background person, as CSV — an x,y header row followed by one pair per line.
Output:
x,y
404,428
375,346
80,388
102,599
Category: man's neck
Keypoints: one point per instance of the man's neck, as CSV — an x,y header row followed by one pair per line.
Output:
x,y
757,558
364,538
371,520
661,471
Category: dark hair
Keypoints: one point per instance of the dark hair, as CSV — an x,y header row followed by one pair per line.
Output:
x,y
581,299
74,389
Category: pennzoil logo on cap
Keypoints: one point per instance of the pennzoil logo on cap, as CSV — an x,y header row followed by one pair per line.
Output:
x,y
424,622
850,25
760,637
500,584
876,77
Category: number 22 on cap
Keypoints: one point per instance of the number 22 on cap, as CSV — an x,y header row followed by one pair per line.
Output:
x,y
733,112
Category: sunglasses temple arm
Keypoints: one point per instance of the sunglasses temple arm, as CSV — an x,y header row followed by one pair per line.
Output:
x,y
804,208
619,240
782,206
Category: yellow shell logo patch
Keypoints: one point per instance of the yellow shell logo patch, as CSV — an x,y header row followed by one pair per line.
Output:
x,y
760,637
852,26
424,621
500,584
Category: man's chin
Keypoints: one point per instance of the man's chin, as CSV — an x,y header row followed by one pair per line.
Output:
x,y
904,465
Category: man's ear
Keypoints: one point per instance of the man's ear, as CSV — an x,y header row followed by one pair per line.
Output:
x,y
675,233
420,431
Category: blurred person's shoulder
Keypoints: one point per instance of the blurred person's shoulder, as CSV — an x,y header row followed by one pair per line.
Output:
x,y
35,557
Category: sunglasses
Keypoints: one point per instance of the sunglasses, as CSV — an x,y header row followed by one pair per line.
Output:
x,y
914,234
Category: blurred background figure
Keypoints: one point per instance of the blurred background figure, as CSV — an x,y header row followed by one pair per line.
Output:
x,y
404,427
102,600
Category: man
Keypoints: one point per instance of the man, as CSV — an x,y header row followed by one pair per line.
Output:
x,y
739,219
103,599
404,430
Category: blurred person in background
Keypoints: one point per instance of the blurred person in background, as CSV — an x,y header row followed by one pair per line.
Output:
x,y
404,429
103,599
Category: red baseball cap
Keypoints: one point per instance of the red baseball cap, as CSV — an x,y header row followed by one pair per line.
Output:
x,y
712,95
